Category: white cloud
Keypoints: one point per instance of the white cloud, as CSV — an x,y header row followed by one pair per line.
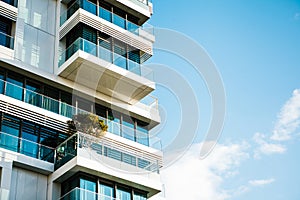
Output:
x,y
265,147
288,120
261,182
193,178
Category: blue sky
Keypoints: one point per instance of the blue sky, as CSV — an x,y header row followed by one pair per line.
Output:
x,y
255,46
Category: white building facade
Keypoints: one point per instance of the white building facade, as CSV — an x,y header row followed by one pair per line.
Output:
x,y
71,58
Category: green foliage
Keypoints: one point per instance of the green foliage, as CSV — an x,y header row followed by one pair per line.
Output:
x,y
87,123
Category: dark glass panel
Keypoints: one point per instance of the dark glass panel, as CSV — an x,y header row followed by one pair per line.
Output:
x,y
100,110
106,191
10,128
114,120
128,128
33,93
66,108
50,100
2,81
123,194
88,189
29,144
142,135
14,87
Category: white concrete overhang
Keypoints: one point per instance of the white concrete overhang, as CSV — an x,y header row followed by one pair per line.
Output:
x,y
100,75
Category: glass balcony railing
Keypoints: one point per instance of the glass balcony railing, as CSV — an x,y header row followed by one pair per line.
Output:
x,y
82,194
69,149
104,14
6,40
105,54
11,2
26,147
64,109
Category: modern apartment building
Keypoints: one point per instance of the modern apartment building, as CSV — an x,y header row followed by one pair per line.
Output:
x,y
65,58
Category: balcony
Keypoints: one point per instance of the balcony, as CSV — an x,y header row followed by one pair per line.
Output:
x,y
83,11
107,15
108,149
26,147
66,110
139,8
113,74
104,54
6,40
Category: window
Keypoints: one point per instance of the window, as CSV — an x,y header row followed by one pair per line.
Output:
x,y
142,136
50,101
123,194
88,189
114,120
128,128
100,110
10,128
84,104
5,32
14,87
29,144
36,141
65,106
120,55
2,72
92,188
105,48
32,94
139,196
106,191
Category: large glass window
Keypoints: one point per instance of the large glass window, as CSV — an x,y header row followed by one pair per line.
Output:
x,y
105,48
114,120
33,93
10,132
105,14
92,188
88,189
14,87
123,194
29,145
142,136
50,100
128,128
120,55
139,196
84,104
48,138
65,106
2,81
106,191
5,32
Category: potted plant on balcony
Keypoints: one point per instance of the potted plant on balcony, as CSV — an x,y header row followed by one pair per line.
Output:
x,y
87,123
